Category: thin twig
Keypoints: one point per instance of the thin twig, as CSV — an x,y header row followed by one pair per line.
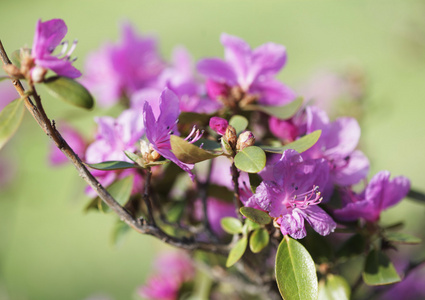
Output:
x,y
236,197
137,224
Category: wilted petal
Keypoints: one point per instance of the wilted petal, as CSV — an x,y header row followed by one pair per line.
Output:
x,y
293,224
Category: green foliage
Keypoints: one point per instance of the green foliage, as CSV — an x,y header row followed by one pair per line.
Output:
x,y
187,152
120,190
112,165
379,270
231,225
240,123
259,240
334,287
256,215
295,271
251,159
402,238
355,245
282,112
119,231
300,145
237,251
10,119
70,91
15,58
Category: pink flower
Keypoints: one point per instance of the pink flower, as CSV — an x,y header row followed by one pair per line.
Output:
x,y
48,35
171,271
159,129
380,194
117,70
251,70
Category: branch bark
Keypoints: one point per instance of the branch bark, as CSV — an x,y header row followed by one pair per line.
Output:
x,y
139,225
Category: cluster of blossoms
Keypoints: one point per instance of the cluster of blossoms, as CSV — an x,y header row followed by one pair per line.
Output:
x,y
163,100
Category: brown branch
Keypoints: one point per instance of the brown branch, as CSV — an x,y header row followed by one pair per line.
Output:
x,y
236,197
137,224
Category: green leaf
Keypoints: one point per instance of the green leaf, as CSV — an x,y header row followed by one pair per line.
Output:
x,y
251,159
10,119
416,195
402,238
252,225
208,145
15,58
259,240
379,270
300,145
112,165
254,180
237,251
334,287
282,112
131,156
187,152
295,271
256,215
120,190
240,123
70,91
231,225
119,231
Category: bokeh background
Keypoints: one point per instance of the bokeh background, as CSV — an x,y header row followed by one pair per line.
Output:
x,y
51,249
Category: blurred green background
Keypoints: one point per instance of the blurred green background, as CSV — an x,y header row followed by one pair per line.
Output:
x,y
50,249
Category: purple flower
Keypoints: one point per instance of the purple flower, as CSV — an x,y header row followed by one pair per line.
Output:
x,y
114,136
380,194
120,70
292,193
216,210
337,145
179,77
252,71
48,35
8,93
172,270
159,129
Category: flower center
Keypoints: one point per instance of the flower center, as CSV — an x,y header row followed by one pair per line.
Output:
x,y
303,200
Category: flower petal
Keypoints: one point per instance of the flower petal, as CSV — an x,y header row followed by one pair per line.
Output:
x,y
321,222
217,70
292,224
47,37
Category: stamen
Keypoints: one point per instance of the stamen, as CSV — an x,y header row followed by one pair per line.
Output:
x,y
311,197
65,46
73,46
192,139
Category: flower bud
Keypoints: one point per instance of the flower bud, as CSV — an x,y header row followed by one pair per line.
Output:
x,y
245,139
230,136
219,125
37,74
227,149
12,71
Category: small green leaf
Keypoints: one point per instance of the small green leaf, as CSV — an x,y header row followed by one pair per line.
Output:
x,y
187,152
120,190
112,165
402,238
254,180
237,251
252,225
251,159
300,145
231,225
256,215
70,91
379,270
119,231
334,287
240,123
208,145
282,112
10,119
15,58
131,156
295,271
259,240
